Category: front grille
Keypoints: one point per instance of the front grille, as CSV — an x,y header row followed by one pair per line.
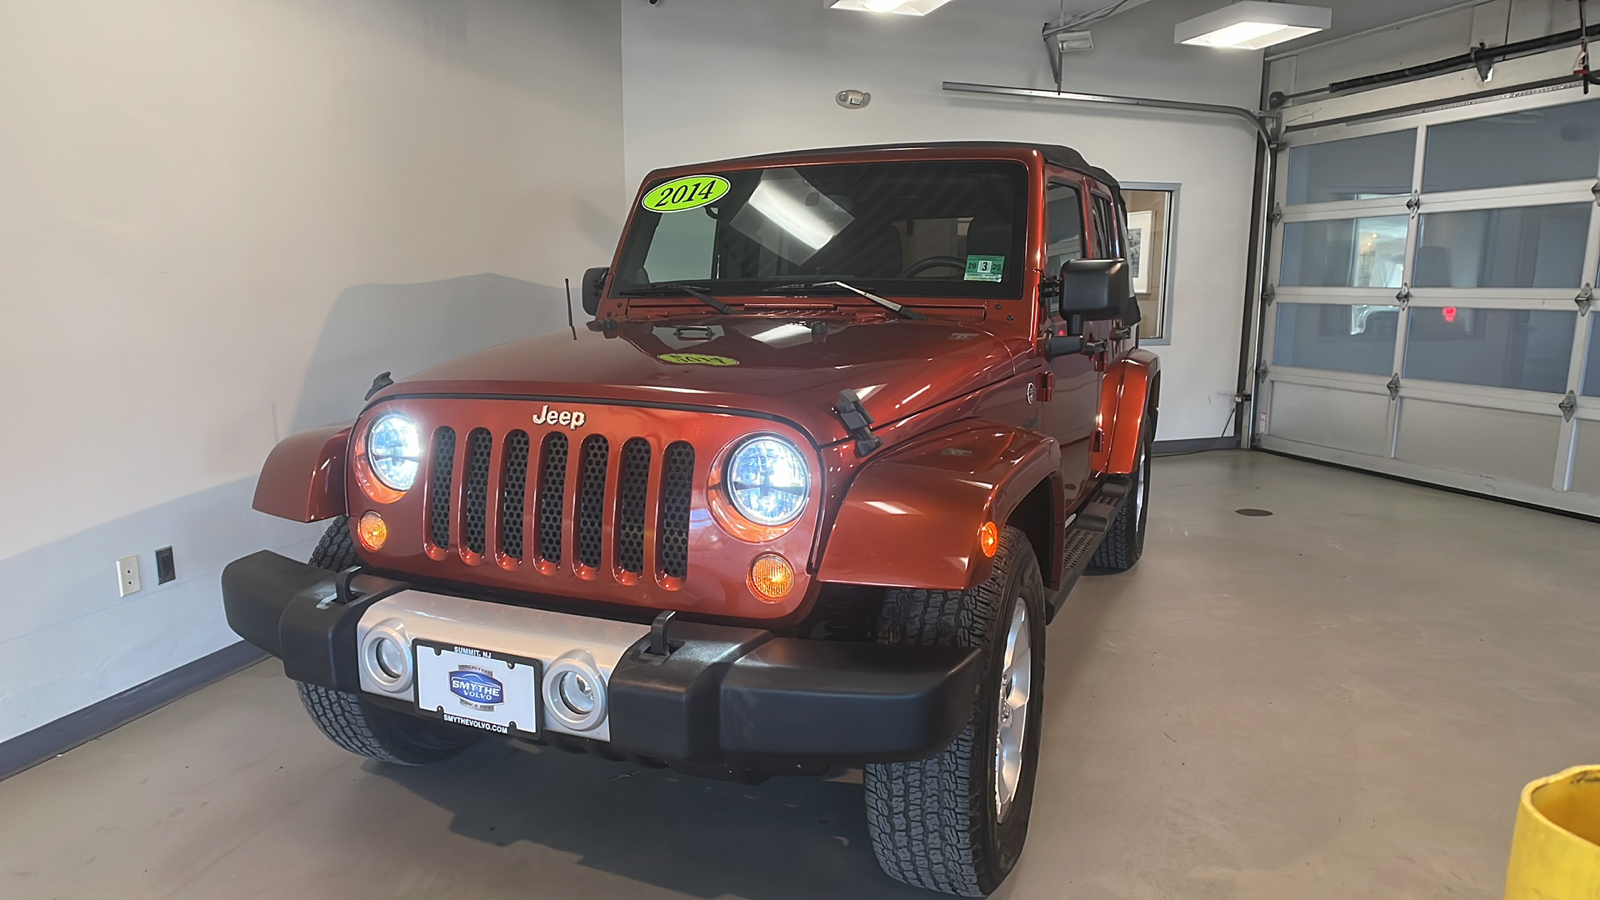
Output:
x,y
591,499
444,460
575,501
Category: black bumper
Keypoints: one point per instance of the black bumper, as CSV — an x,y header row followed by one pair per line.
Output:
x,y
724,696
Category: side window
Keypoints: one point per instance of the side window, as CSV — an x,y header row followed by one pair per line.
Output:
x,y
1065,213
1104,229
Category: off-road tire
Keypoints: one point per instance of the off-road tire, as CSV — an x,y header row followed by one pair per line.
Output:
x,y
1124,543
359,726
934,822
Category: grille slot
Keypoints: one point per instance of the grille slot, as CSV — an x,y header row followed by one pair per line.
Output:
x,y
552,491
513,493
677,482
631,501
439,483
592,499
475,499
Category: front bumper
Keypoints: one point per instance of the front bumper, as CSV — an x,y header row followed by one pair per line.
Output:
x,y
723,696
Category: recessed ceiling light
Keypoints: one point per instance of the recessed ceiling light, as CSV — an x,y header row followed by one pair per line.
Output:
x,y
898,7
1253,25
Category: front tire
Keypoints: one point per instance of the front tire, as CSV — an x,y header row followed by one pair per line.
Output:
x,y
1124,543
357,725
956,821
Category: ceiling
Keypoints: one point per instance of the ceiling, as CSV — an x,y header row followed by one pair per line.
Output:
x,y
1349,16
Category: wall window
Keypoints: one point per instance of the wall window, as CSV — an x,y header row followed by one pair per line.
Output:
x,y
1343,337
1368,252
1524,349
1530,246
1556,143
1363,168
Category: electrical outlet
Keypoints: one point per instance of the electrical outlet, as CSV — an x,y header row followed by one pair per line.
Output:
x,y
166,570
128,575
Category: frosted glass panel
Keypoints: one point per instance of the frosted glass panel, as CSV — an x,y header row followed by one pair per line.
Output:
x,y
1355,169
1528,350
1367,252
1531,246
1345,338
1558,143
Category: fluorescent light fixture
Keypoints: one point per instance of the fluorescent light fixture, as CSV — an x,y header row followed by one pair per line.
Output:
x,y
898,7
1074,41
1253,25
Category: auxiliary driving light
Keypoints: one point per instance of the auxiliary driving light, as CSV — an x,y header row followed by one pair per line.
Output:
x,y
575,692
386,657
372,531
390,657
771,577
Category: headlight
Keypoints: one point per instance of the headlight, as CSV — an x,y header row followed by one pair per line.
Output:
x,y
768,481
394,450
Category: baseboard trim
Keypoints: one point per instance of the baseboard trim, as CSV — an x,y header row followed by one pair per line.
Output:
x,y
52,739
1194,445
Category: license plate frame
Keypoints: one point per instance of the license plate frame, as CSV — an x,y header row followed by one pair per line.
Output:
x,y
506,671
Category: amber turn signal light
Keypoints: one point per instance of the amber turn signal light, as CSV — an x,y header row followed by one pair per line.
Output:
x,y
989,539
771,577
372,531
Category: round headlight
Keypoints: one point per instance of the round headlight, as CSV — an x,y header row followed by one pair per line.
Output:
x,y
768,481
394,450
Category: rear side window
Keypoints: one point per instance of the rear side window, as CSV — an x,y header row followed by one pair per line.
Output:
x,y
1065,211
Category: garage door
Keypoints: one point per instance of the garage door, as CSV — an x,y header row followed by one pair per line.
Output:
x,y
1429,312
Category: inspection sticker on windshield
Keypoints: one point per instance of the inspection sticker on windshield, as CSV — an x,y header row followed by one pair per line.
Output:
x,y
985,268
697,359
682,194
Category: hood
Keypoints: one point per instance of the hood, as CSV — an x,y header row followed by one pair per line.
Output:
x,y
779,366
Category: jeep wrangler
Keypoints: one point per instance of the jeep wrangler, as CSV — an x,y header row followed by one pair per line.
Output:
x,y
842,431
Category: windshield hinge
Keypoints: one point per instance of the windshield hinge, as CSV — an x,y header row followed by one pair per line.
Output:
x,y
1568,406
858,422
1394,386
1585,299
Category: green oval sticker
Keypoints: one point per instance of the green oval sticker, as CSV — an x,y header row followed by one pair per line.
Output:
x,y
685,193
697,359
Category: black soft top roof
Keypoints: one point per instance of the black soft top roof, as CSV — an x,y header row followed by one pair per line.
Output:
x,y
1055,154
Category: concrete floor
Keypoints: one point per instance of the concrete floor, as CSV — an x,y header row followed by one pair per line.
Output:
x,y
1342,700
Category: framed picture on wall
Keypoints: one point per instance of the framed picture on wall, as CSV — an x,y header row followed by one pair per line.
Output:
x,y
1152,225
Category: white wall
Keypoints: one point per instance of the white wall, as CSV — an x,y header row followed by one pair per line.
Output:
x,y
707,79
218,220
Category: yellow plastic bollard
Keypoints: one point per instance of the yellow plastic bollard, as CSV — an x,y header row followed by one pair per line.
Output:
x,y
1555,851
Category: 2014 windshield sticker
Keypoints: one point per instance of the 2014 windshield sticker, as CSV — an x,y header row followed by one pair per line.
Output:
x,y
985,268
697,359
682,194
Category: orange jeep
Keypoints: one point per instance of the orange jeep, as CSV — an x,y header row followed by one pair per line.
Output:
x,y
843,431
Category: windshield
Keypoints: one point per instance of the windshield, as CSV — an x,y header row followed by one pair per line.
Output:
x,y
931,229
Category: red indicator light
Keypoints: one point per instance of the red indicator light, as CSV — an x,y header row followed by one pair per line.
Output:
x,y
1449,313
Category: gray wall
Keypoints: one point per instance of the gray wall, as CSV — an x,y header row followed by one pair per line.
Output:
x,y
220,219
706,79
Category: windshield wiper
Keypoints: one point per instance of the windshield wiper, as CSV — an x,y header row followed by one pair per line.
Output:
x,y
902,309
672,288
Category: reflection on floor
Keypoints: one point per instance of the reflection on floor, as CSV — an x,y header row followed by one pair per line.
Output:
x,y
1339,700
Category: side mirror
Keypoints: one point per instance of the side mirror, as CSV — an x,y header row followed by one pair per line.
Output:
x,y
1095,288
593,288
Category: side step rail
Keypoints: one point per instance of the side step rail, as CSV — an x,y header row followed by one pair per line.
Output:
x,y
1084,535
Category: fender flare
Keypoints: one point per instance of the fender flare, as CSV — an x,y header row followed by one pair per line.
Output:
x,y
303,477
1129,393
910,518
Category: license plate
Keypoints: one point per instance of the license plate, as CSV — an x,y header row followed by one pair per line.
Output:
x,y
481,688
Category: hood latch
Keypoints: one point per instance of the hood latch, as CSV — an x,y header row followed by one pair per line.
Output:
x,y
853,413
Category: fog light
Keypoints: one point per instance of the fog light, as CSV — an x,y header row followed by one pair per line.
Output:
x,y
372,531
771,577
577,693
390,657
989,539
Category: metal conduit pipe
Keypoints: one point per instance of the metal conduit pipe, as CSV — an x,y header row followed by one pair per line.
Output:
x,y
1260,223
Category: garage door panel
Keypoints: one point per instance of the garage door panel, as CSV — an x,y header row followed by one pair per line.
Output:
x,y
1586,459
1499,443
1329,417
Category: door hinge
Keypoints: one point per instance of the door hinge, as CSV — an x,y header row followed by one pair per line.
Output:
x,y
1596,192
1099,440
1585,299
1414,202
1261,372
1394,386
1268,294
1276,215
1568,406
1405,295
